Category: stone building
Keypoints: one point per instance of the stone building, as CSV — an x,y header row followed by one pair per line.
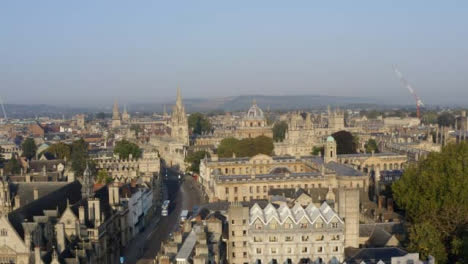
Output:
x,y
198,242
292,233
246,179
125,170
172,146
253,124
306,131
125,115
61,223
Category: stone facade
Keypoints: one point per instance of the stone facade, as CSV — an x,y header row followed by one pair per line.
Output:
x,y
246,179
147,167
172,147
293,233
306,131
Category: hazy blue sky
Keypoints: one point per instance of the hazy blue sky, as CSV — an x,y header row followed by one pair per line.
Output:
x,y
139,51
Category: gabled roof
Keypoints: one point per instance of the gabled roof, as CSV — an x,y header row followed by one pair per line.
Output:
x,y
296,214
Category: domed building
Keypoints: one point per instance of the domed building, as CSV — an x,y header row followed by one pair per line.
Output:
x,y
254,124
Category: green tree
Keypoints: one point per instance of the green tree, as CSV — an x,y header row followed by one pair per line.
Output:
x,y
345,142
199,124
29,148
317,150
12,166
433,194
446,119
194,159
227,147
279,131
371,146
79,156
124,148
103,177
246,147
263,145
60,150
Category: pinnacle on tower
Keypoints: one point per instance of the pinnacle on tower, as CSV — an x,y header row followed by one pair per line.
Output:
x,y
179,98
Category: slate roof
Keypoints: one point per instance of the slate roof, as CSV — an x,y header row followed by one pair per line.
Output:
x,y
51,165
25,191
373,255
54,200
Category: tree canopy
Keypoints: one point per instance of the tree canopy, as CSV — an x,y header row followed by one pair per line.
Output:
x,y
199,124
434,195
12,166
246,147
317,150
29,148
194,159
227,147
345,142
279,131
124,148
103,177
446,119
60,150
79,156
371,146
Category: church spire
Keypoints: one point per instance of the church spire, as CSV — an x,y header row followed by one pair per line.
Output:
x,y
115,111
179,98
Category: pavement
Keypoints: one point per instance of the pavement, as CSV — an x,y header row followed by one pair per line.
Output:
x,y
145,246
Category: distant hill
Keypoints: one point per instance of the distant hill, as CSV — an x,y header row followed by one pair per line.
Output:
x,y
233,103
243,102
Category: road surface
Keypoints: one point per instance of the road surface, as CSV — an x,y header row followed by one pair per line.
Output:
x,y
143,248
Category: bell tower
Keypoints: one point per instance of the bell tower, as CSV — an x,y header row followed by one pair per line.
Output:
x,y
115,115
179,122
330,150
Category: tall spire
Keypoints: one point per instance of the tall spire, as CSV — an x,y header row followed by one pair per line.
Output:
x,y
179,98
115,111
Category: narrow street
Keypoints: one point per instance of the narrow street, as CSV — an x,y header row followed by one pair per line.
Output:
x,y
143,248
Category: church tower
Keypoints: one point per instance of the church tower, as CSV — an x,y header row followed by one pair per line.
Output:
x,y
125,115
115,115
330,150
87,183
179,122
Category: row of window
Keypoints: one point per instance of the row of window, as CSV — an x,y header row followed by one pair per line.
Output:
x,y
265,188
259,169
290,250
304,238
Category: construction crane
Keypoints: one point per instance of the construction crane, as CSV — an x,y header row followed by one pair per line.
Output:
x,y
405,83
3,109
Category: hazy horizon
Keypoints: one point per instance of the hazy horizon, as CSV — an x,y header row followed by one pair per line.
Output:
x,y
90,53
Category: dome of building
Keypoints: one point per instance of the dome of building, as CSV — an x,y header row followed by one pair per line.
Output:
x,y
255,112
330,139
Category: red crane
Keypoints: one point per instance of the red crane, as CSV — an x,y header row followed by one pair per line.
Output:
x,y
405,83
